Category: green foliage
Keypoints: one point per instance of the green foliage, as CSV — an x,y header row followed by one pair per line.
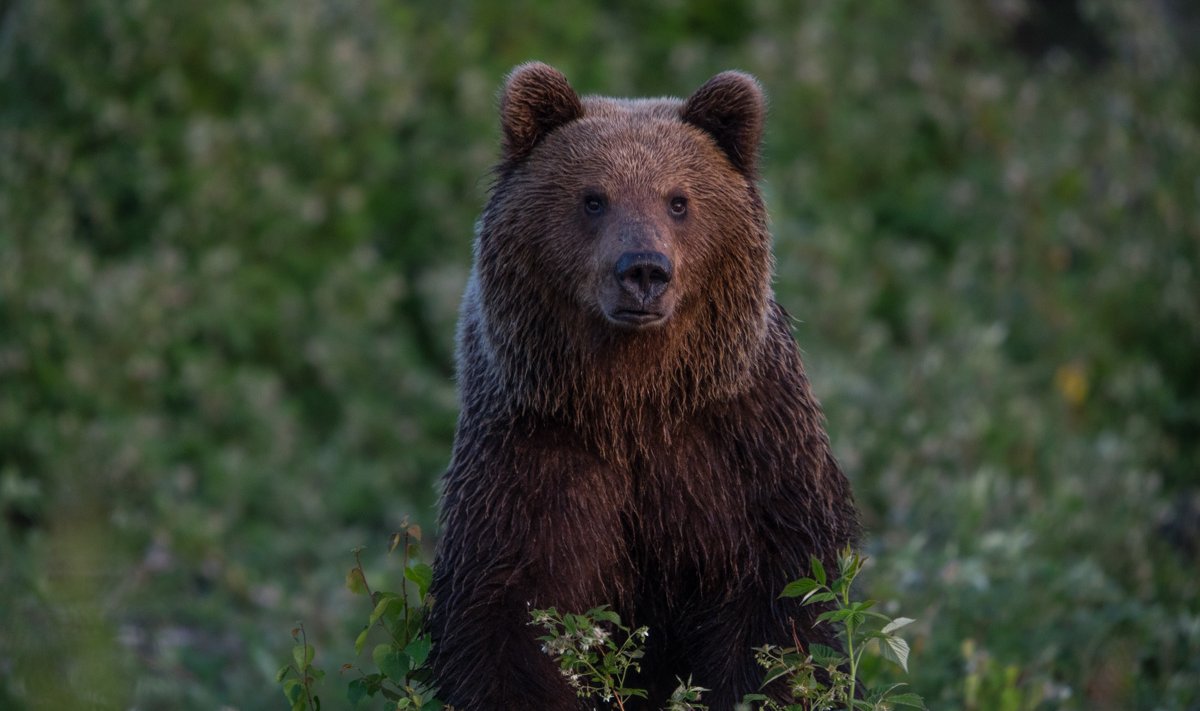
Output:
x,y
687,697
299,677
823,678
594,651
400,674
232,238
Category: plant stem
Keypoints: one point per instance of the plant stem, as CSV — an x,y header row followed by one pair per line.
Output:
x,y
850,692
304,672
404,585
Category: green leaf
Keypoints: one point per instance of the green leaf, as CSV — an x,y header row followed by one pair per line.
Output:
x,y
283,670
303,654
418,651
422,575
391,662
825,656
796,588
355,582
834,615
293,690
774,673
386,602
907,699
897,624
432,705
361,640
815,598
818,569
356,691
895,649
603,614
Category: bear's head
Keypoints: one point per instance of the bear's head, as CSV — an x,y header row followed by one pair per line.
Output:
x,y
624,258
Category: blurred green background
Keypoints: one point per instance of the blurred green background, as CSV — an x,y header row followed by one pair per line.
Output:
x,y
233,236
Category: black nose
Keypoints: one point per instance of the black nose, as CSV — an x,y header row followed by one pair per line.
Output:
x,y
643,274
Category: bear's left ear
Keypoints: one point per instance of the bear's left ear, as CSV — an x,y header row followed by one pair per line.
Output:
x,y
730,107
536,100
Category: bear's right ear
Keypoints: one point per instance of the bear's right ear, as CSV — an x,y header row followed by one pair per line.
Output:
x,y
536,100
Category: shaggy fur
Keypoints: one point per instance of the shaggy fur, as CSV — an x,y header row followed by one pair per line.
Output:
x,y
679,470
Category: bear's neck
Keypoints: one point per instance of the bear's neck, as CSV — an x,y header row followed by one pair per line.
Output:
x,y
620,390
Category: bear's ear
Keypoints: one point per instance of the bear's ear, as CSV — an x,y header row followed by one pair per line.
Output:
x,y
730,107
536,100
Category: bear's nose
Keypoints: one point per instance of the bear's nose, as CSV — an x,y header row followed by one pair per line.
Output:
x,y
643,274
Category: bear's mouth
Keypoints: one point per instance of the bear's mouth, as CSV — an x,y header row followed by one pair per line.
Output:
x,y
636,318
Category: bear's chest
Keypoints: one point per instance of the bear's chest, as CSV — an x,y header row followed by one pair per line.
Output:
x,y
692,506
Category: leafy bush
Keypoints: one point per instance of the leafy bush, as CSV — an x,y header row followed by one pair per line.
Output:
x,y
596,653
400,673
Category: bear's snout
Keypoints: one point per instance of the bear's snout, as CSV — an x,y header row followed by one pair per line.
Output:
x,y
639,293
643,275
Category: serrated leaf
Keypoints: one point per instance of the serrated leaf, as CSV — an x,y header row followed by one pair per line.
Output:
x,y
283,670
391,662
824,655
418,651
818,597
603,614
422,575
774,673
834,615
796,588
907,699
895,650
897,624
818,569
361,640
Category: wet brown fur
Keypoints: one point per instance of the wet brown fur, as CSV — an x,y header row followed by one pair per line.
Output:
x,y
680,473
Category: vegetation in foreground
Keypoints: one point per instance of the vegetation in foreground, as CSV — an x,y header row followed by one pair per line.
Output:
x,y
596,653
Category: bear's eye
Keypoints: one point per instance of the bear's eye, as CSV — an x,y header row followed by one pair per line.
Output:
x,y
678,206
593,204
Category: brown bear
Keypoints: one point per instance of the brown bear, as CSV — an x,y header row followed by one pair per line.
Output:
x,y
637,428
